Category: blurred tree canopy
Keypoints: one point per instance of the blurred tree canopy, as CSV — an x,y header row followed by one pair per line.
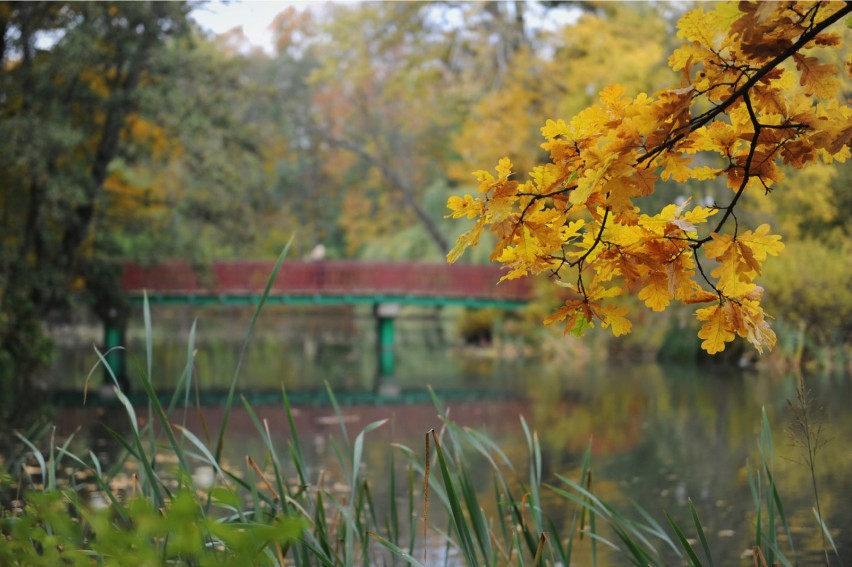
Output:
x,y
118,142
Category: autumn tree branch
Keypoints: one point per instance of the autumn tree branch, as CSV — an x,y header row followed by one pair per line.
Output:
x,y
703,119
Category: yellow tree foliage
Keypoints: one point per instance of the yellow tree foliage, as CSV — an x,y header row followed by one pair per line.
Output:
x,y
754,94
622,46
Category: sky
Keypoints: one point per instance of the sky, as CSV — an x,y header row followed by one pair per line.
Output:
x,y
253,15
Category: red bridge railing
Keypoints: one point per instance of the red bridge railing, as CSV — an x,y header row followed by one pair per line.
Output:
x,y
332,278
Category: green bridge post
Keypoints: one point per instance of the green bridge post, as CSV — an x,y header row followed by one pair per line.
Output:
x,y
386,314
114,337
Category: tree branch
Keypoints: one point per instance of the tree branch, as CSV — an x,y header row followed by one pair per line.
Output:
x,y
708,116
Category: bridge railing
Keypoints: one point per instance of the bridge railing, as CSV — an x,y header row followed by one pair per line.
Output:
x,y
338,278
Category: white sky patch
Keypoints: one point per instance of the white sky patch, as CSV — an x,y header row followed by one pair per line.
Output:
x,y
254,16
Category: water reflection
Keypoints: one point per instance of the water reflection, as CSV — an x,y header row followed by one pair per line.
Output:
x,y
660,435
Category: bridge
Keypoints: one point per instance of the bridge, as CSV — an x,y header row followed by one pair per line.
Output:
x,y
384,285
327,282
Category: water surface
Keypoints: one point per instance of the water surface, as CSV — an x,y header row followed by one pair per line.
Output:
x,y
660,435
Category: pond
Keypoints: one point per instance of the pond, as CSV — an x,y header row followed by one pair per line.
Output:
x,y
660,435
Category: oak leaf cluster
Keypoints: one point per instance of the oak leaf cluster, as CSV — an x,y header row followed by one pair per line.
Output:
x,y
755,95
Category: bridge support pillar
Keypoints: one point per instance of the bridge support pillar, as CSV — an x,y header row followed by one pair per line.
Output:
x,y
386,314
114,337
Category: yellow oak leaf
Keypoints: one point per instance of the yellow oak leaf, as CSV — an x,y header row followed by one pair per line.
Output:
x,y
576,313
819,79
469,238
748,257
483,176
681,56
656,294
718,245
613,97
464,207
658,222
679,274
590,180
704,173
701,296
600,292
675,166
715,331
702,26
733,271
552,129
504,168
613,317
761,243
544,177
754,326
699,214
571,230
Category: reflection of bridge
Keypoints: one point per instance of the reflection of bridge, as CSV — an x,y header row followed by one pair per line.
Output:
x,y
385,285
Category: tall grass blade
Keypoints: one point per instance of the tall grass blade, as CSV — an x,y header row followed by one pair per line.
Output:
x,y
539,550
185,381
579,511
767,455
154,402
208,456
701,536
457,515
774,506
628,532
338,413
652,527
593,521
779,506
358,450
270,447
295,445
100,481
557,543
233,386
39,456
149,334
693,557
486,447
393,526
827,533
352,512
535,472
394,549
477,517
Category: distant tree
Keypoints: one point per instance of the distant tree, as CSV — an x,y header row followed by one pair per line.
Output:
x,y
116,142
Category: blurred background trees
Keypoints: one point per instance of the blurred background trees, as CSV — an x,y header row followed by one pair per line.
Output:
x,y
128,133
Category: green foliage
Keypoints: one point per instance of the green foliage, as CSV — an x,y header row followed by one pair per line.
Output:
x,y
414,242
55,527
118,140
818,299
